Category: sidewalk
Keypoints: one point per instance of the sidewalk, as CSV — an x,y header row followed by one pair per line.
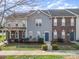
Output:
x,y
40,52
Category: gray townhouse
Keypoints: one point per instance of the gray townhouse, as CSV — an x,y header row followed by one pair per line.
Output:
x,y
48,24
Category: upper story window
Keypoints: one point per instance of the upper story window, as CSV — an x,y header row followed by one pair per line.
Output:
x,y
55,22
63,21
72,21
55,34
38,22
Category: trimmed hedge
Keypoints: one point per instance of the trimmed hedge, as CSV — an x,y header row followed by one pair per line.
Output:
x,y
55,47
44,47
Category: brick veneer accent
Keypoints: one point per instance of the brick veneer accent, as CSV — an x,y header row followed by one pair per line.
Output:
x,y
68,28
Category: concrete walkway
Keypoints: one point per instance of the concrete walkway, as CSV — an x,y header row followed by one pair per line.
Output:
x,y
40,52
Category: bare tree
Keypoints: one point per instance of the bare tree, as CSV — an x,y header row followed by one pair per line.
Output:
x,y
3,3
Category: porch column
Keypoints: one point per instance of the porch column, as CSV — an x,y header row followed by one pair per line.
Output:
x,y
23,34
10,34
18,34
2,34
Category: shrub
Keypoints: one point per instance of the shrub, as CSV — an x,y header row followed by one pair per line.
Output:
x,y
54,41
0,48
60,40
75,46
55,47
40,40
44,47
26,40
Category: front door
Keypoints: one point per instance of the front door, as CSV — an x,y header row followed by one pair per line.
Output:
x,y
12,34
46,36
72,36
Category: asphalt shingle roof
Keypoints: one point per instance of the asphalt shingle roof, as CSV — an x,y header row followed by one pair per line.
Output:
x,y
59,13
74,10
54,12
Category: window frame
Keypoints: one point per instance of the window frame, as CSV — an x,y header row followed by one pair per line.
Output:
x,y
63,22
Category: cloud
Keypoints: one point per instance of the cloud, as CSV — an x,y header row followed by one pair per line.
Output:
x,y
66,5
55,4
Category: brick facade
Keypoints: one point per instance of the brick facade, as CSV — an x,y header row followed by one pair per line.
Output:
x,y
67,28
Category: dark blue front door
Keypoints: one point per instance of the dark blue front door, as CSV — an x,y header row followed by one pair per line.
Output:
x,y
72,34
46,36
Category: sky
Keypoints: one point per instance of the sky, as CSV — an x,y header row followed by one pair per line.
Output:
x,y
40,4
53,4
44,4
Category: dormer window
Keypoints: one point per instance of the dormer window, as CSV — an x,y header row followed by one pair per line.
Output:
x,y
38,22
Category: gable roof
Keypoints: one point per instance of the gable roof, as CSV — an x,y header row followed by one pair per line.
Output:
x,y
74,11
60,12
54,12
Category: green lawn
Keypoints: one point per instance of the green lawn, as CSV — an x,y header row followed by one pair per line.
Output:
x,y
2,37
18,46
36,57
68,46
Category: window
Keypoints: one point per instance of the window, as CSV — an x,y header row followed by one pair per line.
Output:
x,y
38,34
38,22
72,30
55,22
55,34
72,21
30,34
23,25
9,25
63,34
63,22
16,24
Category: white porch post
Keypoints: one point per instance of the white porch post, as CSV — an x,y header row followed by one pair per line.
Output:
x,y
18,34
10,34
2,34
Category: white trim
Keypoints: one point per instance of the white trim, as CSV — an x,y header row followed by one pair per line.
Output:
x,y
31,13
72,12
40,11
46,13
55,34
55,21
63,21
63,16
72,21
